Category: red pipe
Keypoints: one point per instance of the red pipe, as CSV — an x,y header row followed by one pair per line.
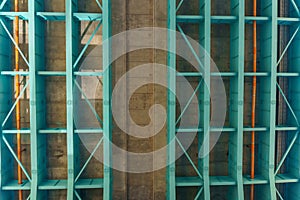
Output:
x,y
17,87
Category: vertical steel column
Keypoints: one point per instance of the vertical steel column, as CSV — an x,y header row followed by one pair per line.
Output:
x,y
237,37
171,100
6,93
107,92
267,106
37,98
204,37
72,31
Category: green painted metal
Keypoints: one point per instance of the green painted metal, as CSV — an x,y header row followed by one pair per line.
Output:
x,y
204,95
74,181
107,103
171,100
236,110
37,104
72,46
37,182
267,174
195,19
267,93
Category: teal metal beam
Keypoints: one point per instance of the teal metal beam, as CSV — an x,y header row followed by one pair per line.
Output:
x,y
61,16
267,93
3,4
107,103
236,110
14,73
199,193
37,96
22,131
204,95
171,100
219,19
12,15
289,21
234,74
13,186
99,5
51,73
258,180
179,5
72,46
245,129
81,73
52,16
295,6
88,16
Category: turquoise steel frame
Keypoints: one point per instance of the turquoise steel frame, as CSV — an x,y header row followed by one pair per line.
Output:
x,y
36,178
267,174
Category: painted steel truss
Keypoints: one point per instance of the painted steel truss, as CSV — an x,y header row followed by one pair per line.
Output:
x,y
267,176
36,177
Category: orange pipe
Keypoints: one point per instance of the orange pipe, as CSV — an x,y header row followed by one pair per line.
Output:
x,y
17,87
252,173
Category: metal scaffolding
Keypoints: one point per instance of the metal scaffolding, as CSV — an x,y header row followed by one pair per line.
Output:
x,y
267,176
36,180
